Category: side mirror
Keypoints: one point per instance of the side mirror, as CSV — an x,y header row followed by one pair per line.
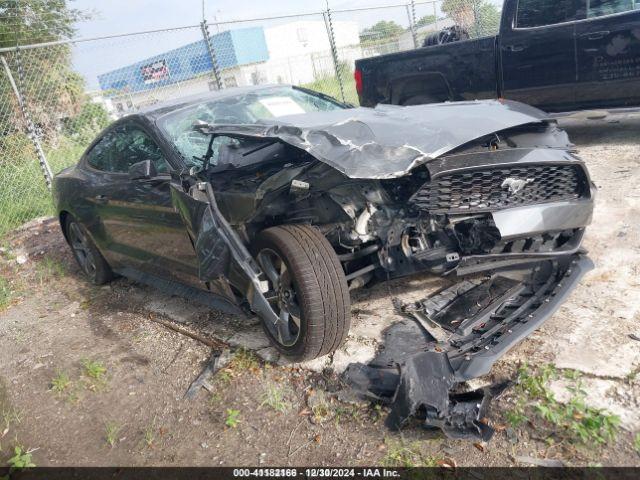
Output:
x,y
143,170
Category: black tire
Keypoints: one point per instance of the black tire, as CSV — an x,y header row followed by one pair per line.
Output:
x,y
320,290
89,258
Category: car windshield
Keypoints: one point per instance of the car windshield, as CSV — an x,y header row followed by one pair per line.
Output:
x,y
245,108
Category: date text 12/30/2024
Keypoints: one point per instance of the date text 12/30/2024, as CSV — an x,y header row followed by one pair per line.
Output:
x,y
316,472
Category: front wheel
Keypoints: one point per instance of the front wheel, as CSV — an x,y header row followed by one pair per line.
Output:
x,y
308,291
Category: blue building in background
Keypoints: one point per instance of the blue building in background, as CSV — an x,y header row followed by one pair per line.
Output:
x,y
233,49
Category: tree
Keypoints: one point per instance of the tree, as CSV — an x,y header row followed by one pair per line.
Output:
x,y
426,20
478,17
383,30
50,88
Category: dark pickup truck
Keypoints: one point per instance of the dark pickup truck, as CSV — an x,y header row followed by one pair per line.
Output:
x,y
558,55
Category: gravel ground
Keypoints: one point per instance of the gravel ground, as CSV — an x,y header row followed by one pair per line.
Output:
x,y
137,413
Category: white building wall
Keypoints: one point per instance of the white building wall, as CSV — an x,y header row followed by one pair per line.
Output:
x,y
300,52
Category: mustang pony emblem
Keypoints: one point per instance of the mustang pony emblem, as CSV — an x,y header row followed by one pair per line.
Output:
x,y
516,185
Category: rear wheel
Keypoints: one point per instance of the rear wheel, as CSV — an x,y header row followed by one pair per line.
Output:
x,y
308,291
91,261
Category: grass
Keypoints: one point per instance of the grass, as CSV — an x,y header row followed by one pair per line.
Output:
x,y
21,459
403,455
93,369
111,430
24,194
330,86
6,294
274,397
10,416
636,442
573,420
243,360
49,268
232,419
60,382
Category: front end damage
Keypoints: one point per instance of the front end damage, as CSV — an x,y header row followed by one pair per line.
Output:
x,y
488,195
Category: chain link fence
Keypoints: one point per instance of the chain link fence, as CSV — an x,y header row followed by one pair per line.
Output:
x,y
55,97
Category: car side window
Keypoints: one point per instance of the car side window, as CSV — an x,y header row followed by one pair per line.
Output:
x,y
123,147
599,8
539,13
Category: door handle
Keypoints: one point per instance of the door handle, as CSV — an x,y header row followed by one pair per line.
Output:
x,y
101,199
514,48
595,35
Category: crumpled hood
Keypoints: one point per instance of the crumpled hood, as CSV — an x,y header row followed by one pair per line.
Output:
x,y
387,141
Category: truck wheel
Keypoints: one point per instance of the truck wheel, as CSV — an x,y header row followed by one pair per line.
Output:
x,y
91,261
308,290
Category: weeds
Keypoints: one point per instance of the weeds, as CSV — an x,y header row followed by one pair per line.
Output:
x,y
111,430
10,416
244,360
6,295
233,418
49,268
95,371
21,459
273,397
400,455
636,442
60,382
574,420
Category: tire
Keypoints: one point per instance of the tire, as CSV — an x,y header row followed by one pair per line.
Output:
x,y
320,292
89,258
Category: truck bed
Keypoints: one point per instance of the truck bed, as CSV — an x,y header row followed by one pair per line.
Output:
x,y
463,70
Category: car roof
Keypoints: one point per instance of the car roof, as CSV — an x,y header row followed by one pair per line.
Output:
x,y
159,109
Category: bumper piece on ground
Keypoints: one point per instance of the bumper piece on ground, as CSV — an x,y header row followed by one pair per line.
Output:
x,y
458,334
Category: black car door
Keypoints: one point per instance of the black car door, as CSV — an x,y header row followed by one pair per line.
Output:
x,y
141,227
609,54
537,53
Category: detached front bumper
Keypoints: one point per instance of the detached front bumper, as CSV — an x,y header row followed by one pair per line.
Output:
x,y
458,334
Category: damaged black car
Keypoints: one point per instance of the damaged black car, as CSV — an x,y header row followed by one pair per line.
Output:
x,y
279,201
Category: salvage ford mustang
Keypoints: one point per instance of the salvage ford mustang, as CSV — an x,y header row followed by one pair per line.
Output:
x,y
278,200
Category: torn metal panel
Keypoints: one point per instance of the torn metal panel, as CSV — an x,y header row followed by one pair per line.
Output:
x,y
388,141
418,371
218,246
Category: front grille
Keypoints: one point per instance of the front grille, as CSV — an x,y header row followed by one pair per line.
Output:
x,y
485,190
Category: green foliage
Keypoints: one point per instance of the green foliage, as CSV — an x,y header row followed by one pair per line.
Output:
x,y
383,30
96,373
83,127
273,396
426,20
232,419
49,268
636,442
6,293
21,459
60,382
573,420
111,430
407,456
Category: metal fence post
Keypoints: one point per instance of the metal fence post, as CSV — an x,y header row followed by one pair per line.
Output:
x,y
411,13
334,51
435,14
212,54
31,129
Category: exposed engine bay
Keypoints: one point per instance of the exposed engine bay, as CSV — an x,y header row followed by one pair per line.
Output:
x,y
488,194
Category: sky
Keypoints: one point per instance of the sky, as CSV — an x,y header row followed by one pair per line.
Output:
x,y
125,16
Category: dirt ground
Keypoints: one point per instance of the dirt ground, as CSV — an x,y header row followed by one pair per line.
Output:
x,y
88,377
